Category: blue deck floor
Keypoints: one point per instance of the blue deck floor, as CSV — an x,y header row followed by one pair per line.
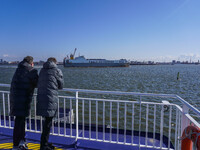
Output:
x,y
68,143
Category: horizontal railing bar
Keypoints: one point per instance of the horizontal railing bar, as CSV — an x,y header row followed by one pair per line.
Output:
x,y
6,127
193,120
70,97
117,92
107,141
5,92
122,143
188,105
126,101
4,85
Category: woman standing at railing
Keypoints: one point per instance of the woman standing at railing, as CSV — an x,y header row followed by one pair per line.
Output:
x,y
50,80
21,92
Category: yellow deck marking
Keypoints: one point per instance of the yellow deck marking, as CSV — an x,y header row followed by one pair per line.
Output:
x,y
32,146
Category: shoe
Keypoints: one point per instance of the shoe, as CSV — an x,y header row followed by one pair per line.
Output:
x,y
23,145
46,148
50,145
15,148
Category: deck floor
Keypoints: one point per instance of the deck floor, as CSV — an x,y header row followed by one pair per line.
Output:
x,y
66,143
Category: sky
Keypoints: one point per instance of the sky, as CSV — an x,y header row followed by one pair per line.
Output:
x,y
141,30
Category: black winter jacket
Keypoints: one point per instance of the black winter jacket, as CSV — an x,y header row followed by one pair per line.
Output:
x,y
50,80
22,87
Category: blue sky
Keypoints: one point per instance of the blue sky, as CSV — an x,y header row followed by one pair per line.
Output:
x,y
159,30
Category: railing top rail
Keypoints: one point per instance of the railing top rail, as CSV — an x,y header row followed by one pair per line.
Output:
x,y
117,92
4,85
195,110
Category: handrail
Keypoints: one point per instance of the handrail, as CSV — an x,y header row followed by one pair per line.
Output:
x,y
4,85
117,92
188,105
196,111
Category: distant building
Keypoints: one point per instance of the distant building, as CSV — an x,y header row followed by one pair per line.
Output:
x,y
151,63
14,62
173,61
3,62
39,63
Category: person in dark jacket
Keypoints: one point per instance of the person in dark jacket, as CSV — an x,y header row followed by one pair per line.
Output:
x,y
21,92
50,80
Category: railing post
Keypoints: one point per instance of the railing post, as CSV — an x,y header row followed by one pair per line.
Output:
x,y
184,120
76,116
4,110
140,115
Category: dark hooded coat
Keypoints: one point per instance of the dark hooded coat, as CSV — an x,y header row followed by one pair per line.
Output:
x,y
50,80
22,88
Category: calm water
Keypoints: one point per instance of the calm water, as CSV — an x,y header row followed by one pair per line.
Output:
x,y
150,79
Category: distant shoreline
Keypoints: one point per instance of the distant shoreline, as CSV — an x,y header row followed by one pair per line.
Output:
x,y
156,64
17,64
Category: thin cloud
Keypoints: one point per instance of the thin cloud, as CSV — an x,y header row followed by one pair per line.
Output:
x,y
169,58
9,57
177,9
5,55
188,57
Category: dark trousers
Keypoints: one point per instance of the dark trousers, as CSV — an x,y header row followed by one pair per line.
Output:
x,y
19,130
45,132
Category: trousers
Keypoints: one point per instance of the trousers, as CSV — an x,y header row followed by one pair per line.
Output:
x,y
45,132
19,130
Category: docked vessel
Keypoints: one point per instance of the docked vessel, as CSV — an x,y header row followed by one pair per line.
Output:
x,y
81,61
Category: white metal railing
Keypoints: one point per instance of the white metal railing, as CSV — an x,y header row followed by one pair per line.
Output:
x,y
112,120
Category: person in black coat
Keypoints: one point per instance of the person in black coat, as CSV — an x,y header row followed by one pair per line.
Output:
x,y
50,80
21,92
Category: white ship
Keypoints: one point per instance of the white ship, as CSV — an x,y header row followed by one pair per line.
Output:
x,y
81,61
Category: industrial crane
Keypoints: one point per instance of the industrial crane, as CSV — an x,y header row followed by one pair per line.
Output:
x,y
72,55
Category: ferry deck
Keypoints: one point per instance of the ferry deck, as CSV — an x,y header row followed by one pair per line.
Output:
x,y
106,120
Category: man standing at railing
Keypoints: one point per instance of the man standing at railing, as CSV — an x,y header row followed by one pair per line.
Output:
x,y
21,92
50,80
